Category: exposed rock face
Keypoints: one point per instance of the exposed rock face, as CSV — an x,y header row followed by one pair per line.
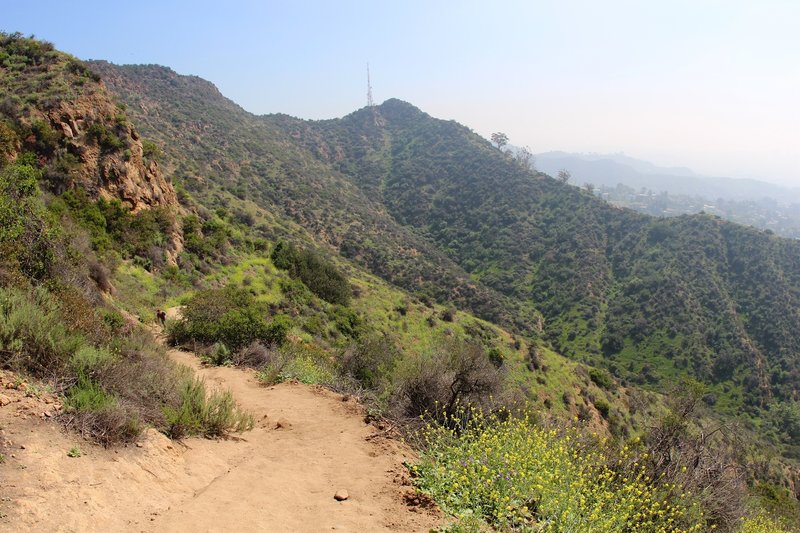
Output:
x,y
56,108
109,156
109,173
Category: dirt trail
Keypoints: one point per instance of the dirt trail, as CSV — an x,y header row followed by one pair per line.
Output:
x,y
267,479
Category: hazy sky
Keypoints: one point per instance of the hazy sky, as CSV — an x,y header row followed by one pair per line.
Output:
x,y
713,85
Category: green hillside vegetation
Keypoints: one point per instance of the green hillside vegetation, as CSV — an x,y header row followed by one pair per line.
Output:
x,y
404,260
430,207
55,323
649,299
226,157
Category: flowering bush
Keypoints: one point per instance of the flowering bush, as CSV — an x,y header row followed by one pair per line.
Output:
x,y
520,477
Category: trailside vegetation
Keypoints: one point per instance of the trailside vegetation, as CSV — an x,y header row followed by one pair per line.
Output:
x,y
54,325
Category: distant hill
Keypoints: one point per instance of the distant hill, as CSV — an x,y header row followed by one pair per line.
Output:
x,y
612,169
644,187
218,150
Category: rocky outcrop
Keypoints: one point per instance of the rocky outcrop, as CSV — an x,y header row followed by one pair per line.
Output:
x,y
112,163
86,141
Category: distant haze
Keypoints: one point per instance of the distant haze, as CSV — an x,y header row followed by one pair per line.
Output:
x,y
612,169
710,85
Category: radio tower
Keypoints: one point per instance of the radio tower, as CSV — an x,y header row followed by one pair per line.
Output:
x,y
370,103
376,116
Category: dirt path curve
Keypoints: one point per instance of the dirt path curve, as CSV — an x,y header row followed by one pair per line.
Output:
x,y
266,480
287,478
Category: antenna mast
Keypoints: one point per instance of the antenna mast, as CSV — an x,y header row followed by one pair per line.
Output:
x,y
370,103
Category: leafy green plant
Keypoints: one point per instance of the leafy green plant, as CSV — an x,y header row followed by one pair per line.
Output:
x,y
74,452
231,316
601,378
88,359
319,275
305,369
370,361
603,407
219,355
33,333
106,138
151,150
763,523
87,396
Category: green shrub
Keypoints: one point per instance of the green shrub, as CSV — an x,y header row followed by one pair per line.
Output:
x,y
27,238
602,379
8,142
212,415
305,369
88,396
151,150
448,314
88,358
602,407
304,362
222,415
96,413
496,357
319,275
370,360
186,418
777,501
46,138
219,355
277,330
269,374
33,334
229,315
105,138
763,523
112,226
114,321
346,320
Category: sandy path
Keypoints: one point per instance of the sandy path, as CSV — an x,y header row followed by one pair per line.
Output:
x,y
267,480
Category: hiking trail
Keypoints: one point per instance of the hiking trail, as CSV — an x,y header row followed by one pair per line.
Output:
x,y
272,478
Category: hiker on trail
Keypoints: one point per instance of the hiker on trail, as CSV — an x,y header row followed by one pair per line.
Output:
x,y
161,316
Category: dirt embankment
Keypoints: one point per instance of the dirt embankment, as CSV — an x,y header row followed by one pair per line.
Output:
x,y
308,444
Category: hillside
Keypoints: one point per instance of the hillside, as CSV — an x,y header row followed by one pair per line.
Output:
x,y
223,154
649,298
397,259
432,207
54,106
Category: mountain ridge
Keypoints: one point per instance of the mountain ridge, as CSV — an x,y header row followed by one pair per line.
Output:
x,y
587,266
